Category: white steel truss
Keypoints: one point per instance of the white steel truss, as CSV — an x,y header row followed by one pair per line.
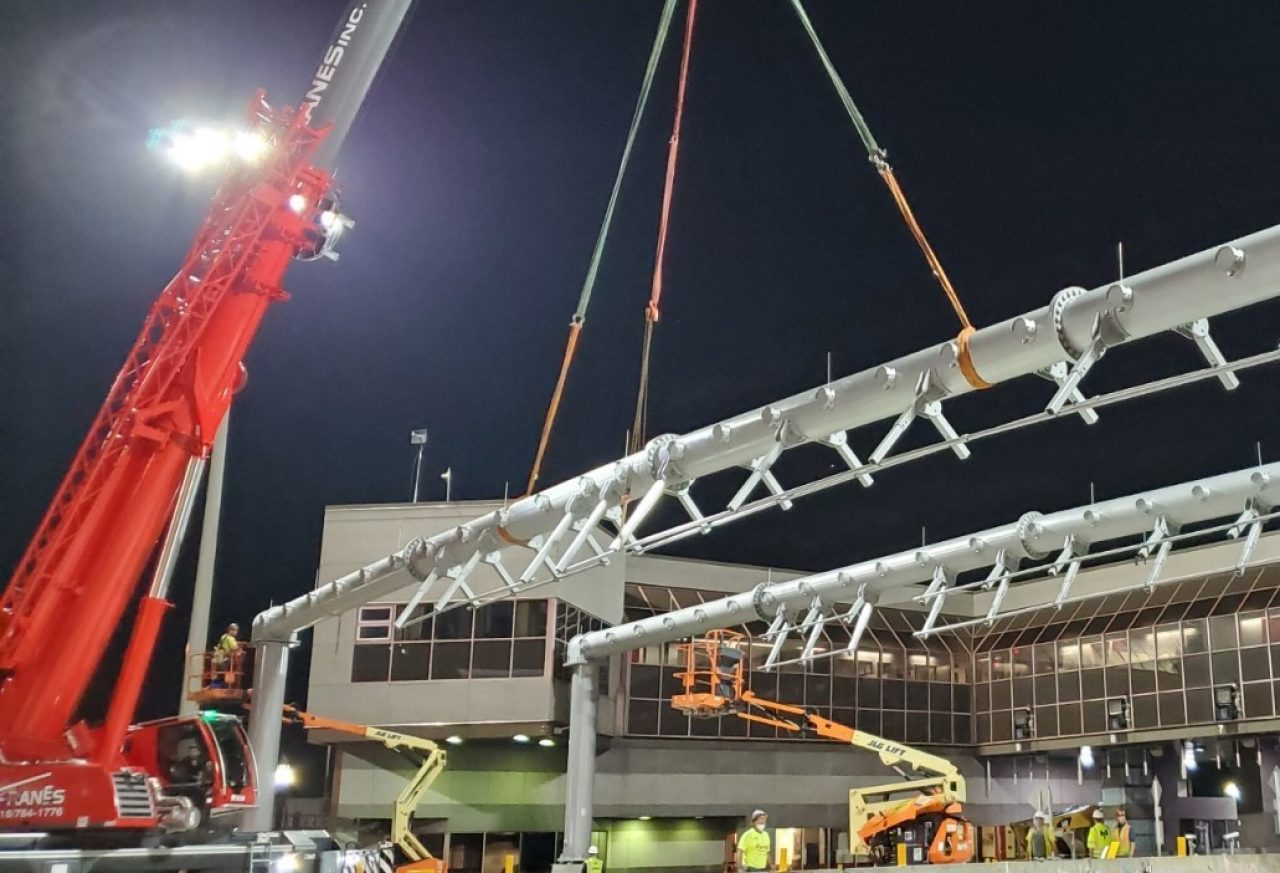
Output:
x,y
1061,341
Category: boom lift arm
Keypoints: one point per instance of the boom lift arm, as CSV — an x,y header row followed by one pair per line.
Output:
x,y
428,760
880,816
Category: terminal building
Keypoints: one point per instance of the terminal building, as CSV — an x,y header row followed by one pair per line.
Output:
x,y
1166,702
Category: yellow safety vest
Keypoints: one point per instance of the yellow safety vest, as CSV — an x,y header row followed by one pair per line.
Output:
x,y
754,846
594,864
1099,839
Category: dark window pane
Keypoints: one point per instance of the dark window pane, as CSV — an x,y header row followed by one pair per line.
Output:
x,y
491,659
1257,700
844,691
455,624
817,691
1172,711
672,722
1091,683
940,728
1228,605
918,697
982,697
917,728
1068,687
961,698
1144,711
766,685
895,694
707,727
732,727
894,725
1042,657
1255,664
373,632
1001,696
1001,726
1095,716
1199,705
1068,719
1046,689
644,681
450,660
528,658
418,626
791,687
375,613
1143,677
1222,633
1022,691
370,663
1169,674
869,720
1117,681
493,622
940,698
642,717
1226,668
962,729
1196,670
410,661
1046,721
1275,659
531,618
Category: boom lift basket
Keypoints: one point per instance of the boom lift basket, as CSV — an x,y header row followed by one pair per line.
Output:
x,y
713,675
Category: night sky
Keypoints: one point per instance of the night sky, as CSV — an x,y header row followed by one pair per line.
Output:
x,y
1030,138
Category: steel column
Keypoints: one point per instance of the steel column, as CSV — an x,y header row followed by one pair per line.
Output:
x,y
271,667
581,772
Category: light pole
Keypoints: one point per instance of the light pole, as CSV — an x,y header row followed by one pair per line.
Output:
x,y
417,438
447,476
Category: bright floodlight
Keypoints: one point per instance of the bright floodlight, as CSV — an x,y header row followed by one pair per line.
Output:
x,y
1189,762
297,203
200,148
454,740
250,145
1232,790
546,742
1086,756
521,738
286,777
286,863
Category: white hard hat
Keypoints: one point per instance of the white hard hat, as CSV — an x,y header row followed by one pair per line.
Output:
x,y
593,851
1097,813
759,812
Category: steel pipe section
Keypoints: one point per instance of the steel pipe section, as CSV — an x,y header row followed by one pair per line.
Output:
x,y
1214,281
1034,536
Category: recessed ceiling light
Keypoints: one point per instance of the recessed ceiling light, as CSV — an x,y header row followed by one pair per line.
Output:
x,y
521,738
454,740
546,742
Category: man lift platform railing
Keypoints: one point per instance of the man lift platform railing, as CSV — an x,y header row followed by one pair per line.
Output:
x,y
223,683
918,819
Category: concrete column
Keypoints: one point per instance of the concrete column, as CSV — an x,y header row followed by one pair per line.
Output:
x,y
580,778
198,632
271,667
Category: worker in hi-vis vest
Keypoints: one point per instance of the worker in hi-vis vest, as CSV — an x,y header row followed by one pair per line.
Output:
x,y
594,864
1099,836
753,846
1123,834
1041,843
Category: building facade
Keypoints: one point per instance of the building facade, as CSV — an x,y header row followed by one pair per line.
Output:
x,y
1185,674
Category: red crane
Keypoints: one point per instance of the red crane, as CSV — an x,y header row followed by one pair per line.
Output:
x,y
125,501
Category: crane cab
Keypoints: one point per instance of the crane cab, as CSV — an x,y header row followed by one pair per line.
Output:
x,y
206,758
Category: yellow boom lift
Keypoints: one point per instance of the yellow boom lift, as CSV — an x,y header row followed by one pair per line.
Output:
x,y
923,813
428,760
